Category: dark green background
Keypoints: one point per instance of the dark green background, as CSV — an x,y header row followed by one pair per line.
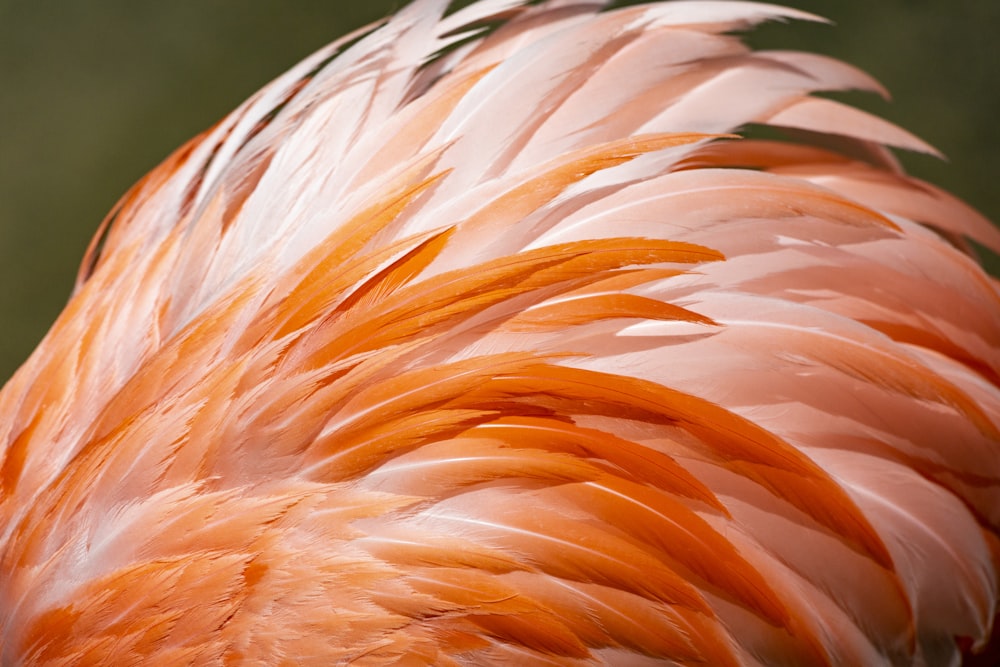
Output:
x,y
94,94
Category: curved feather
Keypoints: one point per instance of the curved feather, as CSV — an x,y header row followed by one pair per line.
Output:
x,y
460,345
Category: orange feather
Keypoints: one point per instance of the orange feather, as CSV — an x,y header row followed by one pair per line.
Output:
x,y
482,339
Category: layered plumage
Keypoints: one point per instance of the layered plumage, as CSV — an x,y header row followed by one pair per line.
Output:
x,y
475,344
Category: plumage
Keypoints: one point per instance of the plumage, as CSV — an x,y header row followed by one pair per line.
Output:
x,y
485,339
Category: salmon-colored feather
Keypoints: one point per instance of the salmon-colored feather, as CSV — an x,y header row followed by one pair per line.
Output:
x,y
483,339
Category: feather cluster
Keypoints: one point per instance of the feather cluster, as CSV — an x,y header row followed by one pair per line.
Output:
x,y
482,339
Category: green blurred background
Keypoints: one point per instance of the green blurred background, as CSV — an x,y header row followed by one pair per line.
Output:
x,y
94,94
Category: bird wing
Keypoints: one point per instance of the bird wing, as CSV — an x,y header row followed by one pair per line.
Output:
x,y
476,344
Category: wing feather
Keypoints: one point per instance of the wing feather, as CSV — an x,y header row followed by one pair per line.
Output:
x,y
465,343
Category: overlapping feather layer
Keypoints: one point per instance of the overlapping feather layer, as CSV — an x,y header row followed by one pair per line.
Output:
x,y
500,349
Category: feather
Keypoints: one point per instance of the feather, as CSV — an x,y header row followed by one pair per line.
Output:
x,y
481,339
